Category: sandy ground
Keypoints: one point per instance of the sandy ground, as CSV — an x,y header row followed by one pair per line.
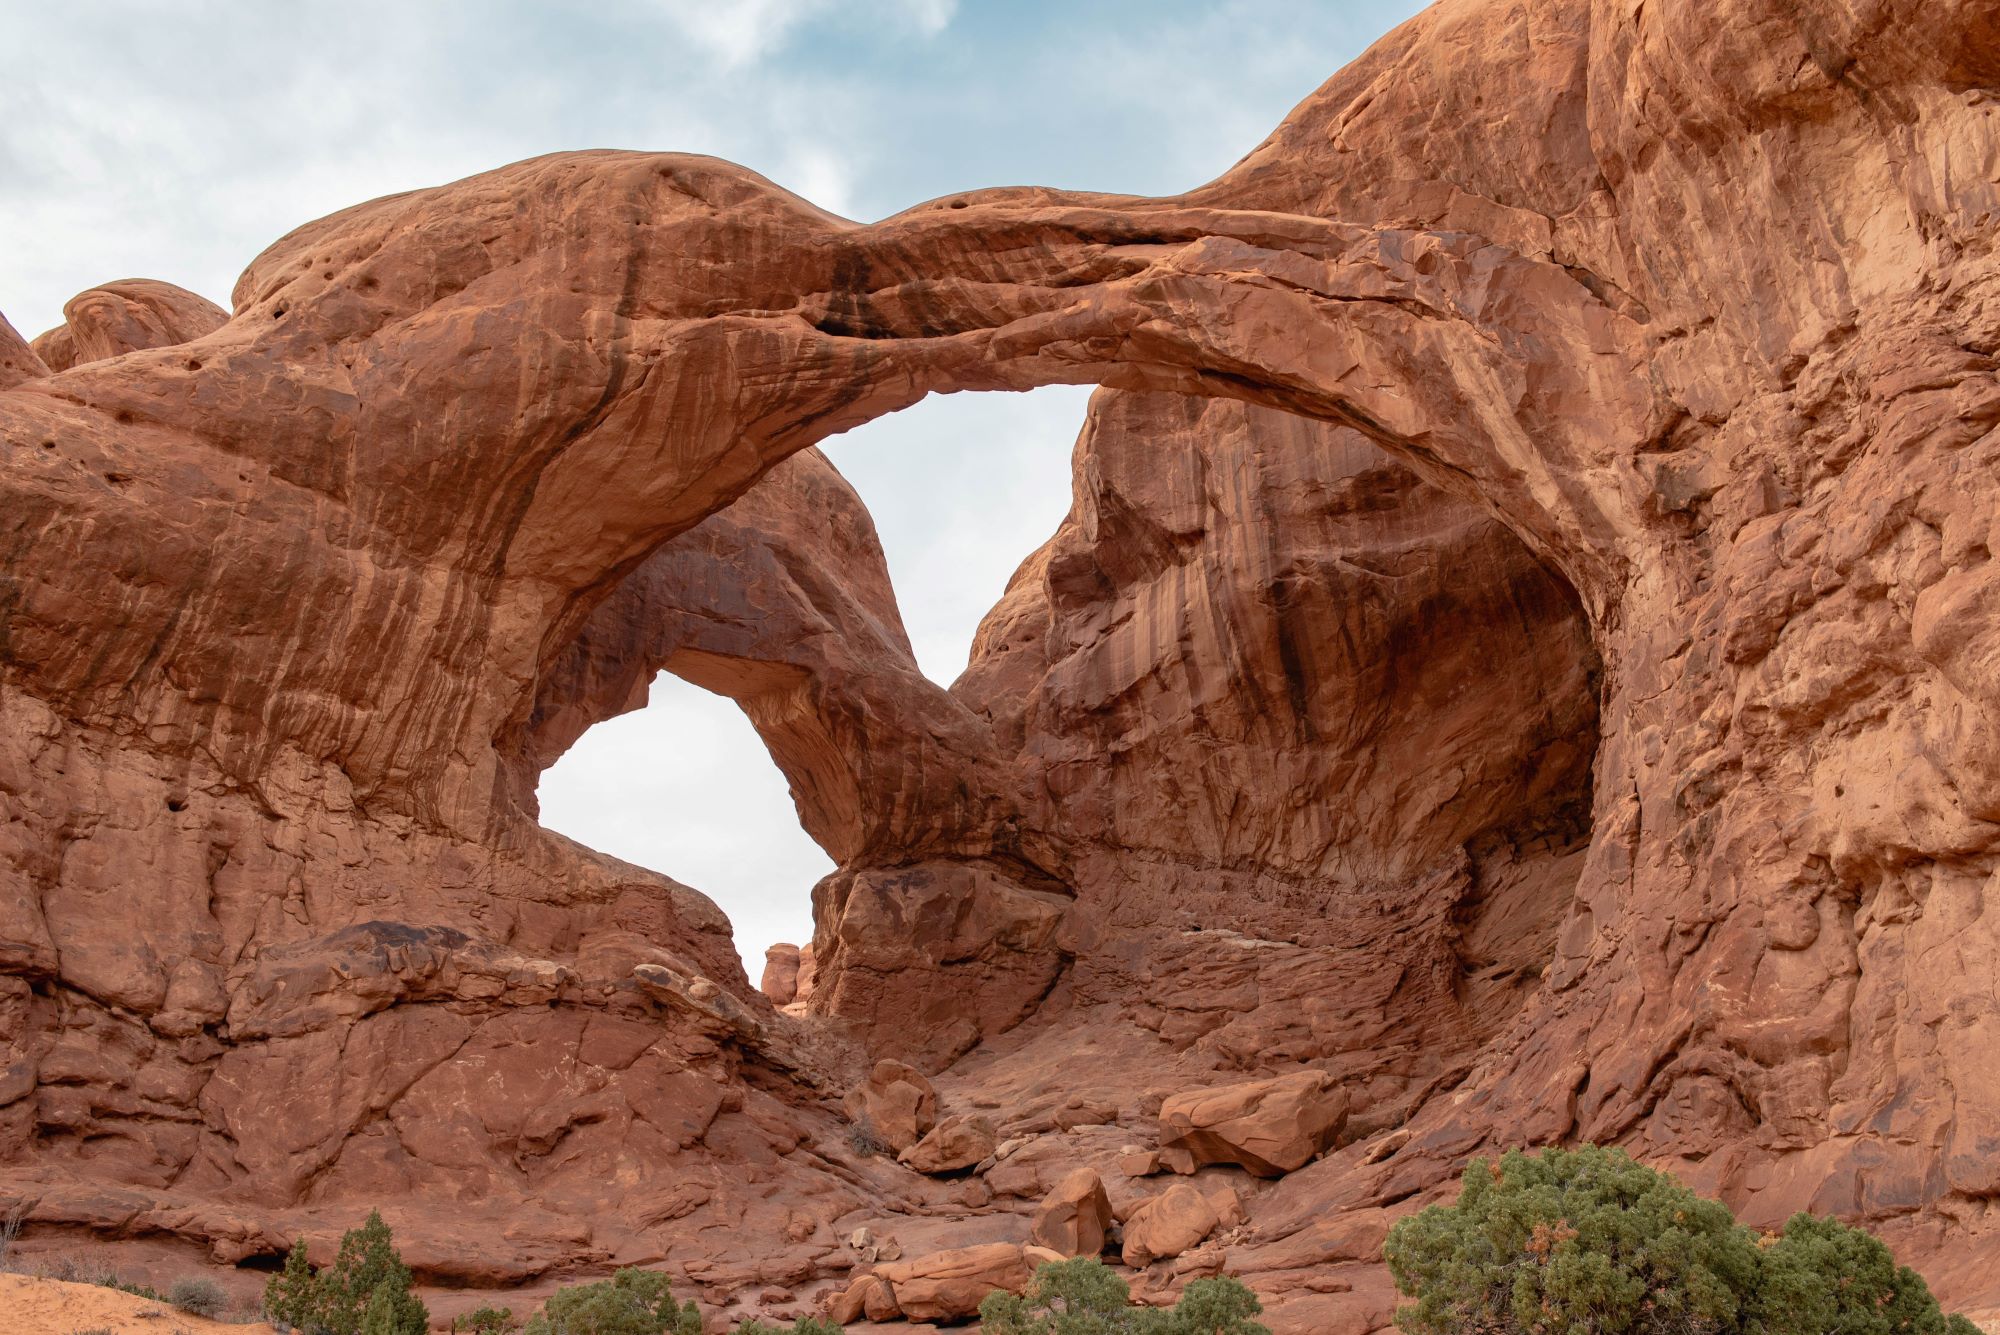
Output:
x,y
51,1307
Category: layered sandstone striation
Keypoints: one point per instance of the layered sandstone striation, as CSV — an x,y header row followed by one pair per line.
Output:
x,y
1520,661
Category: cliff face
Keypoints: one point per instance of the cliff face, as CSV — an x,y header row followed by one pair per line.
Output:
x,y
1524,644
1274,688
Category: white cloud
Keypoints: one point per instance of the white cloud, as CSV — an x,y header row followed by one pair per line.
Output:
x,y
738,32
743,32
931,16
821,175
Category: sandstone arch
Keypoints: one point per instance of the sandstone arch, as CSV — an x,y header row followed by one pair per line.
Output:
x,y
1585,262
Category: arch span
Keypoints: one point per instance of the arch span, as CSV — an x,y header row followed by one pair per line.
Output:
x,y
277,600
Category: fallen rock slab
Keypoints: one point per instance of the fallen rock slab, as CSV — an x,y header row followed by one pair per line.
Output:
x,y
952,1146
1075,1217
897,1103
943,1286
1175,1221
1270,1127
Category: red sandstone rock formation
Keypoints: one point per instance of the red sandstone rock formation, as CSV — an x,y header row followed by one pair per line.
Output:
x,y
1075,1218
1606,374
781,974
1271,1127
126,316
1173,1222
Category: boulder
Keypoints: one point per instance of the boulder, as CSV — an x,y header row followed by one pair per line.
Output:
x,y
952,1146
1174,1221
868,1296
1136,1162
1075,1217
943,1286
896,1102
781,974
1268,1126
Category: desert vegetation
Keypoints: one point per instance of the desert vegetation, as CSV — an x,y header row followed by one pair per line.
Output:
x,y
366,1291
1589,1242
1086,1297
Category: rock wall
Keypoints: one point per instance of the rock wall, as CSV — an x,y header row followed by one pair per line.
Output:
x,y
1694,301
1317,733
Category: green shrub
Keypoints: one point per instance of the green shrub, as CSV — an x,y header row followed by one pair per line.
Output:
x,y
1588,1242
486,1321
805,1325
291,1298
383,1315
1820,1275
1219,1306
198,1296
1085,1297
366,1291
631,1302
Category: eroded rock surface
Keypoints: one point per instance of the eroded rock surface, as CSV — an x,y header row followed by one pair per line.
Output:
x,y
129,315
1522,650
1075,1218
1270,1127
943,1286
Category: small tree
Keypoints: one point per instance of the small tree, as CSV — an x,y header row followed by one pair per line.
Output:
x,y
366,1261
1075,1297
1218,1306
339,1299
1588,1241
1821,1275
380,1316
631,1302
292,1296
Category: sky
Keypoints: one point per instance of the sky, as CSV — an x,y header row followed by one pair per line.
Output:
x,y
141,140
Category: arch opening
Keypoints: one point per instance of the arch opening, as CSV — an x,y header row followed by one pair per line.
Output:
x,y
685,786
962,487
1264,679
778,625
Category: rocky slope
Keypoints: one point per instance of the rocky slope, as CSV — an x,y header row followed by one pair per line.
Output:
x,y
1520,667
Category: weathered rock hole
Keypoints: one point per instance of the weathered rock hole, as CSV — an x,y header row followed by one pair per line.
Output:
x,y
683,784
955,524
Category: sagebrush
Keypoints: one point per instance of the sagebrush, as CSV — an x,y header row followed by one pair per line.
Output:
x,y
198,1296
